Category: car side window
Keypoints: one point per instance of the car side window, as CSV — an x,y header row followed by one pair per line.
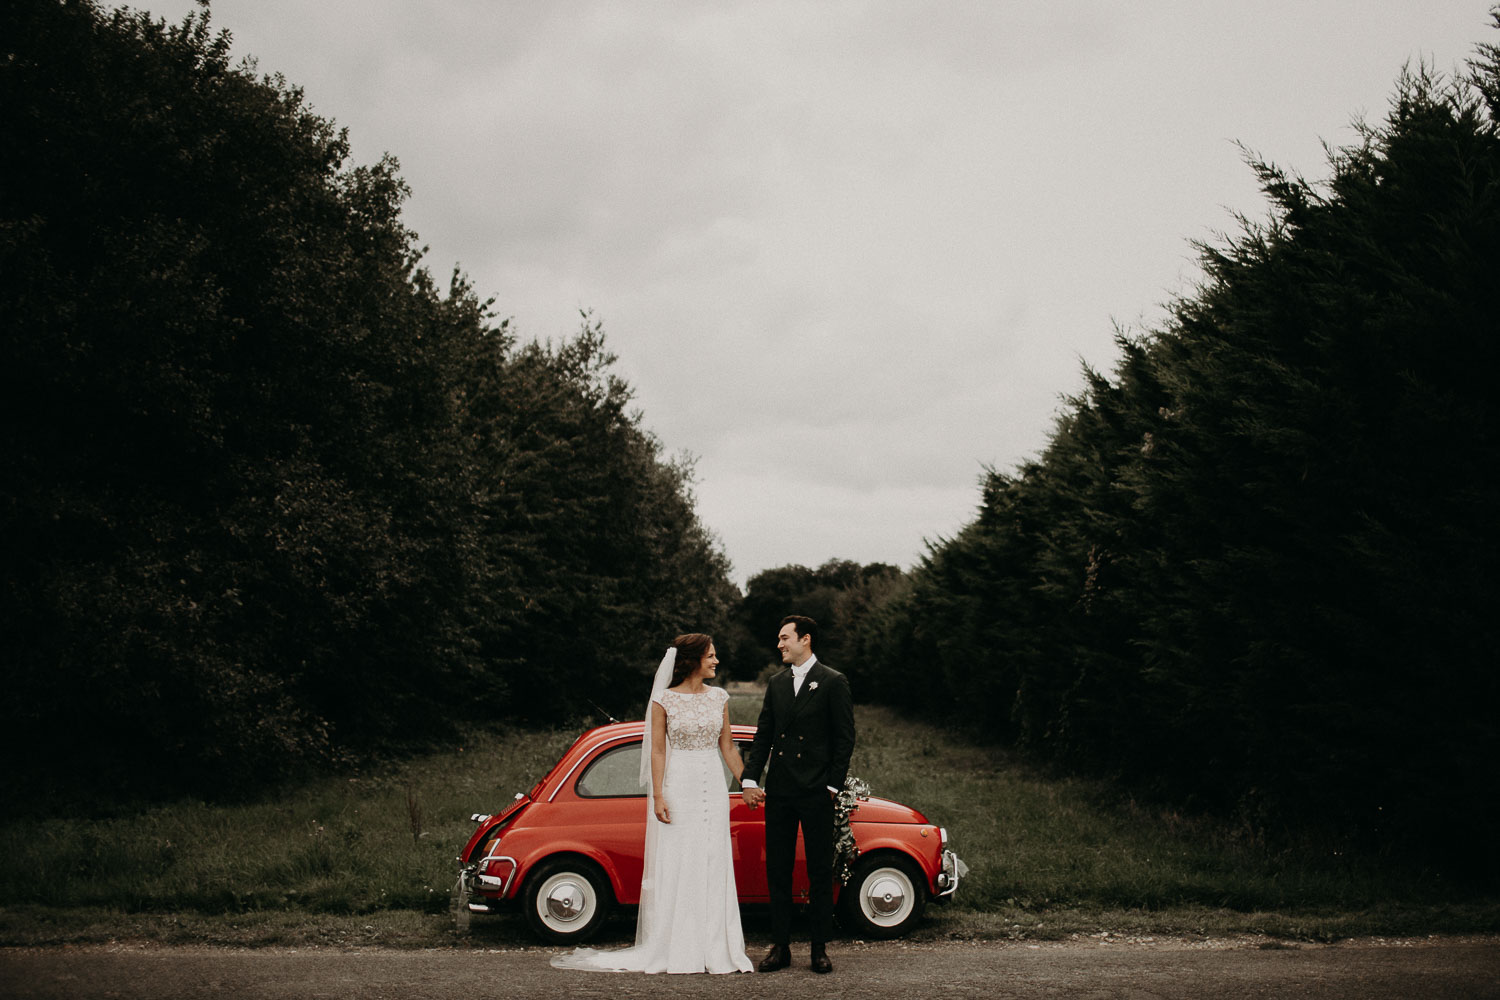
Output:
x,y
613,774
616,774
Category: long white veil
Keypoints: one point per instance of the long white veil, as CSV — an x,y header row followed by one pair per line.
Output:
x,y
649,916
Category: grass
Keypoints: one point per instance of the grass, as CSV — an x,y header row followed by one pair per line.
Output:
x,y
370,859
353,848
1052,857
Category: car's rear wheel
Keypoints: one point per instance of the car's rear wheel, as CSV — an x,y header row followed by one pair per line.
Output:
x,y
885,897
567,900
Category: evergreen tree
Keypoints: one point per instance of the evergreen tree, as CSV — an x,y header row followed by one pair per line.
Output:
x,y
836,595
273,498
1249,570
232,472
596,556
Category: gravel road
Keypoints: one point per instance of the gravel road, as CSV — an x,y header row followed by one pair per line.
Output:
x,y
1406,969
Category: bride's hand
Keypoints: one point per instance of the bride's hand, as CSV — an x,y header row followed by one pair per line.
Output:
x,y
661,811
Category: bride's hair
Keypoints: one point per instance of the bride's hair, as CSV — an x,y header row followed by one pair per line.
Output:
x,y
691,649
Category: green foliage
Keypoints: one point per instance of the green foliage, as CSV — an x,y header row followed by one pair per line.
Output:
x,y
272,498
834,595
593,551
1251,571
332,845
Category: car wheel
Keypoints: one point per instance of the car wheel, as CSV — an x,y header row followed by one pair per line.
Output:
x,y
885,897
567,900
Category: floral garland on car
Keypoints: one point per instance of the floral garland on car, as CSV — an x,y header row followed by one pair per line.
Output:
x,y
845,850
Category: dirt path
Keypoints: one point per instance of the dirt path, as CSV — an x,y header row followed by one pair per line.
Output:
x,y
1409,970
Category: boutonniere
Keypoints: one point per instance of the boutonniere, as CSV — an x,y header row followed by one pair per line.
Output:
x,y
813,686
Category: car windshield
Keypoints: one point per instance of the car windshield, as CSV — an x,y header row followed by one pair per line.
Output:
x,y
615,773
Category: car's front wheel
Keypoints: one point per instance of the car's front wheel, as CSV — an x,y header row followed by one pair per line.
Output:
x,y
885,897
567,900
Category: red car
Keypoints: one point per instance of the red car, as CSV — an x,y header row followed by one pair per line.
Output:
x,y
570,849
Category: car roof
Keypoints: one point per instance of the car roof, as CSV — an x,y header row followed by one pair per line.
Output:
x,y
591,740
600,735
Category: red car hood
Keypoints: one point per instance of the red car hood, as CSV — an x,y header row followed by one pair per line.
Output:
x,y
878,810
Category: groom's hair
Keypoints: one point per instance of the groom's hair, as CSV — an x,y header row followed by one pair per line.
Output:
x,y
805,626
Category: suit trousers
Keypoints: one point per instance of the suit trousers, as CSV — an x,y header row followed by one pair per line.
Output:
x,y
813,811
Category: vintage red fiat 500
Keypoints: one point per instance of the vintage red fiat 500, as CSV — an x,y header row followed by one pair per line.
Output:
x,y
570,849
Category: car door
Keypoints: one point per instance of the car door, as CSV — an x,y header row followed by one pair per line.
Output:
x,y
608,806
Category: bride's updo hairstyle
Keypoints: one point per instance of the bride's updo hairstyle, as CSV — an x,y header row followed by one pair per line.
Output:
x,y
691,649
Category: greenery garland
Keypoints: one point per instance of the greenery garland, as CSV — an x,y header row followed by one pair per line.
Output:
x,y
845,850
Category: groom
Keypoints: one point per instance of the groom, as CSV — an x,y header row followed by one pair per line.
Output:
x,y
806,731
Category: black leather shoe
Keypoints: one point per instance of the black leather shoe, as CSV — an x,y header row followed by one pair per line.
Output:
x,y
777,958
820,961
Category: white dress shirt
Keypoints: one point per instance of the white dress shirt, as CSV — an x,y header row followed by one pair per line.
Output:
x,y
799,674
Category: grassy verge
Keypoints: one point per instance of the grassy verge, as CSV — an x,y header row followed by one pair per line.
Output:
x,y
340,854
1054,857
369,860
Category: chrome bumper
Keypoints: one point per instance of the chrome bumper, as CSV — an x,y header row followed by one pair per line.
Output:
x,y
483,892
953,870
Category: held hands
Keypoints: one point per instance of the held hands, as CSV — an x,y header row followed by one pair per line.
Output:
x,y
753,796
662,813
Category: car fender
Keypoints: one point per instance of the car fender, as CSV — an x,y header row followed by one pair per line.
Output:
x,y
899,839
577,849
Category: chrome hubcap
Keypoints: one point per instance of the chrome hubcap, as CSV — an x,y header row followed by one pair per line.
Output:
x,y
566,900
887,895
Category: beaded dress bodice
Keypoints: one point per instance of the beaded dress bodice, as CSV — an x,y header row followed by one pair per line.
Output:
x,y
694,720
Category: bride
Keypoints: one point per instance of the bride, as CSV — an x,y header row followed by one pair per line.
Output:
x,y
689,919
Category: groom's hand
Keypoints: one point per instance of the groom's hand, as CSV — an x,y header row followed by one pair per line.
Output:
x,y
753,796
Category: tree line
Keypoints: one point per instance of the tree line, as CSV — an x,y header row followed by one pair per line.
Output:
x,y
1253,570
272,497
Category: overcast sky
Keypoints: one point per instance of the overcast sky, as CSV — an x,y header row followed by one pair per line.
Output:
x,y
849,254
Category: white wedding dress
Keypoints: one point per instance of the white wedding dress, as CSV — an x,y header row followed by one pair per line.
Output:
x,y
689,917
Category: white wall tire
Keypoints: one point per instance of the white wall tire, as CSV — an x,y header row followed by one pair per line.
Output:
x,y
567,900
885,897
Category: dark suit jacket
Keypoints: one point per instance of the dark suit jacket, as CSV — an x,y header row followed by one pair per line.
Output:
x,y
807,738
